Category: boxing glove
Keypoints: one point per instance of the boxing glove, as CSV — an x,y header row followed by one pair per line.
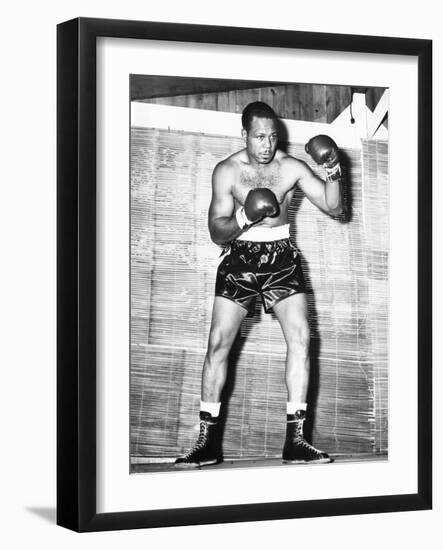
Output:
x,y
323,150
259,203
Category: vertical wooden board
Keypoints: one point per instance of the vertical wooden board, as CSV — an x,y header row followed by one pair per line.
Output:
x,y
179,101
296,105
306,102
208,102
222,102
267,95
279,102
290,100
193,101
232,101
319,103
338,99
244,97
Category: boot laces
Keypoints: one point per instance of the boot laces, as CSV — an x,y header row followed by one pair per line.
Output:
x,y
299,429
300,439
303,443
201,441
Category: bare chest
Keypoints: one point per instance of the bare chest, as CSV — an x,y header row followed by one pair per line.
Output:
x,y
252,179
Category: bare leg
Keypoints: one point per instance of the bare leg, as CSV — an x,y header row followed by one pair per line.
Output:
x,y
227,317
226,320
292,314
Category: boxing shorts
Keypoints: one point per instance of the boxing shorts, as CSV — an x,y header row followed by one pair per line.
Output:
x,y
268,265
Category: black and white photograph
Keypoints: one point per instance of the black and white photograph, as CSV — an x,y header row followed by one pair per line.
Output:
x,y
259,273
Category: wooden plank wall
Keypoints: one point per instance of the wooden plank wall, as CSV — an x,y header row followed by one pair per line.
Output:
x,y
310,102
173,265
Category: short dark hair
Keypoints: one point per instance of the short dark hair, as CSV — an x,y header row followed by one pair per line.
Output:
x,y
258,109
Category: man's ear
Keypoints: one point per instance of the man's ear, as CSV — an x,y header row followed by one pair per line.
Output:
x,y
244,133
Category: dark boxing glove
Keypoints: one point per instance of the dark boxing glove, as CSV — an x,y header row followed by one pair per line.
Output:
x,y
324,151
259,203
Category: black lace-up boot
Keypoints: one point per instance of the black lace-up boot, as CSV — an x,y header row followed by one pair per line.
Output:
x,y
296,448
207,449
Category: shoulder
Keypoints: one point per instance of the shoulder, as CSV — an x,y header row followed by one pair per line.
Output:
x,y
227,170
229,165
223,176
293,165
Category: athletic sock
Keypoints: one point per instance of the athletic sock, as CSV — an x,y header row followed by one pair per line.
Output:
x,y
212,408
293,406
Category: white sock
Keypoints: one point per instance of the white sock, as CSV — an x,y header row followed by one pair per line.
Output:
x,y
213,408
293,406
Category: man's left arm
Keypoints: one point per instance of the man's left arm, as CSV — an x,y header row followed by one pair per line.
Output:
x,y
325,194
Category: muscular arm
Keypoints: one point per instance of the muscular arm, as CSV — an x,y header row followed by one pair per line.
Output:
x,y
326,195
223,226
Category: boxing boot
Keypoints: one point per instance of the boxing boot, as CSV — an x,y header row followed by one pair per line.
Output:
x,y
296,449
207,449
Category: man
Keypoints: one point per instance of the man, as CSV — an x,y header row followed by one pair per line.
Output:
x,y
251,193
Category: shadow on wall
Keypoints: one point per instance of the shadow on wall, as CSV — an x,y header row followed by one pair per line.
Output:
x,y
346,216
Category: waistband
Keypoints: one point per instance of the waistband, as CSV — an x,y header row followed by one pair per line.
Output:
x,y
265,234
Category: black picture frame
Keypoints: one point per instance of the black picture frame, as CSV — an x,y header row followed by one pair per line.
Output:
x,y
76,274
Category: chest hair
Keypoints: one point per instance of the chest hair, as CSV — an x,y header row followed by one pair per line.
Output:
x,y
253,178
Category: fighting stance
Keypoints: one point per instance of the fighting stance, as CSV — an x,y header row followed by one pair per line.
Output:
x,y
251,193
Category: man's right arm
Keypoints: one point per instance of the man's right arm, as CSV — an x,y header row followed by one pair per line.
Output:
x,y
222,222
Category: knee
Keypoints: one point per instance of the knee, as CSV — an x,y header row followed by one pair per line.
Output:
x,y
218,343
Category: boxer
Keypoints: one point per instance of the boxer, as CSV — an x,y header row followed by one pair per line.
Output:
x,y
248,215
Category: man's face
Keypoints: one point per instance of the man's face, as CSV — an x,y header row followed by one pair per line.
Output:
x,y
261,140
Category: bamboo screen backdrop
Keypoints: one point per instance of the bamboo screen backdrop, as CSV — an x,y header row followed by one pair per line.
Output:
x,y
173,266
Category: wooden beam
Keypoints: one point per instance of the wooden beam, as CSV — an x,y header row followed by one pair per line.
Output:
x,y
358,112
376,118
